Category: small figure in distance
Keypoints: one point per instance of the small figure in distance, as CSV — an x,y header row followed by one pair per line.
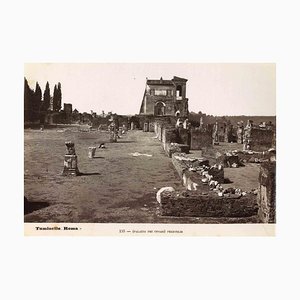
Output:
x,y
102,146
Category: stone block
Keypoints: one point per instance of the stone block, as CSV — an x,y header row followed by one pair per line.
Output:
x,y
258,139
184,136
217,174
197,204
70,165
201,139
181,163
146,127
172,148
267,193
92,151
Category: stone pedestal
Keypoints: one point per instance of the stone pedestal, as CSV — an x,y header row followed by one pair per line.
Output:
x,y
92,151
70,165
124,129
70,161
216,134
113,137
240,133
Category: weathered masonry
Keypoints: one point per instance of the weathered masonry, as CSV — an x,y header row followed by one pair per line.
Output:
x,y
165,98
267,193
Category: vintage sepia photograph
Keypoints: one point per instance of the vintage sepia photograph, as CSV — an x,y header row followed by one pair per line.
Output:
x,y
149,150
149,143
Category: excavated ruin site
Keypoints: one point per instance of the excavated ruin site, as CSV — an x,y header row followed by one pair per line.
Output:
x,y
162,174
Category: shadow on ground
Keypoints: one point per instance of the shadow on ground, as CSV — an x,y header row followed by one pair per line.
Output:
x,y
30,206
88,174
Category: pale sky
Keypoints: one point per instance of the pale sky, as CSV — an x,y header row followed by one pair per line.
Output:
x,y
216,89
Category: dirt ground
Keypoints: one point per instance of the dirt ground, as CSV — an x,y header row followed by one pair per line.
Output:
x,y
114,187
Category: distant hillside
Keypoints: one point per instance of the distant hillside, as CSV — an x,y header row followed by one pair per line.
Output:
x,y
255,119
209,119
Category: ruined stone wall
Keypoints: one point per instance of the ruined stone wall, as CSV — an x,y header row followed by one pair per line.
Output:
x,y
161,122
230,136
267,193
201,139
159,130
182,106
184,136
182,166
274,138
151,100
258,139
123,120
169,135
195,204
55,118
240,134
151,121
222,132
173,148
173,139
146,123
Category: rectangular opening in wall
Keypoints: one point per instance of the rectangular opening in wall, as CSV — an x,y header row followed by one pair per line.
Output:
x,y
160,93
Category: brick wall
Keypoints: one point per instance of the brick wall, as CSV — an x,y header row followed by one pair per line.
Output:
x,y
240,134
184,136
201,139
152,100
169,135
267,193
195,204
259,139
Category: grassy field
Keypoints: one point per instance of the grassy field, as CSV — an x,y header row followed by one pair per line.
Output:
x,y
114,187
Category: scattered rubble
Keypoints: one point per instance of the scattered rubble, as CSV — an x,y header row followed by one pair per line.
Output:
x,y
175,147
197,174
237,158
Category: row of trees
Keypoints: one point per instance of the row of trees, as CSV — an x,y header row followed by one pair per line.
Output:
x,y
36,104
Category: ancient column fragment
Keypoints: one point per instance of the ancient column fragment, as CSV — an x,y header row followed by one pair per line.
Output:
x,y
267,193
70,161
92,151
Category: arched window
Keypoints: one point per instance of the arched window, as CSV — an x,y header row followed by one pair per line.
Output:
x,y
178,91
159,109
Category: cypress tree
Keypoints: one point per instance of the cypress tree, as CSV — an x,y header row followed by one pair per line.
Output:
x,y
55,99
59,96
46,97
28,102
37,102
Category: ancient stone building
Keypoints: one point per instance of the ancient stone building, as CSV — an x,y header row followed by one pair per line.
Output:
x,y
68,108
258,138
68,112
165,98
